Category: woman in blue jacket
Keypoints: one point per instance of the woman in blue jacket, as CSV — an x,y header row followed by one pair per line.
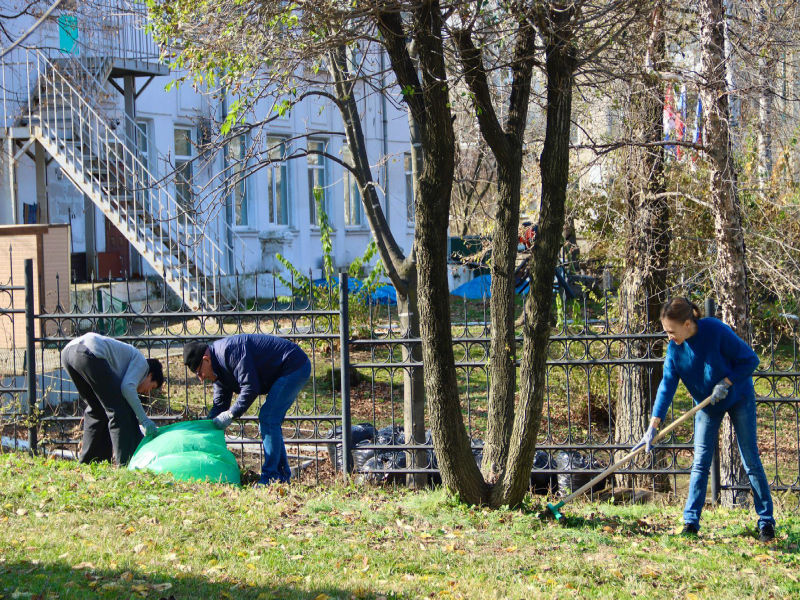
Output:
x,y
711,360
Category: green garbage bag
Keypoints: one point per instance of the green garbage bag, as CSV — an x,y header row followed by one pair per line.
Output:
x,y
188,450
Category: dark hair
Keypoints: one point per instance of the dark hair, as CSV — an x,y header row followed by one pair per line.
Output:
x,y
156,371
680,310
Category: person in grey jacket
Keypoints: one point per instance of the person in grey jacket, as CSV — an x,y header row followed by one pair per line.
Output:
x,y
109,375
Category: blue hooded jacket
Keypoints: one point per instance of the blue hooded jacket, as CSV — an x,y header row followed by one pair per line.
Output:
x,y
702,361
248,365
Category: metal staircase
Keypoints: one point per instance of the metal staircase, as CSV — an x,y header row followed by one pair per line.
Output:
x,y
65,109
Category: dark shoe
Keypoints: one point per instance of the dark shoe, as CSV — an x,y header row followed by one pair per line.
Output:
x,y
690,530
766,533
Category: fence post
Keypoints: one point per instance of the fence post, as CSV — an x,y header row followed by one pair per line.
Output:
x,y
715,475
30,355
344,366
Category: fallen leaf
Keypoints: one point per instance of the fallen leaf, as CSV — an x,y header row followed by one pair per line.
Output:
x,y
510,549
171,557
129,531
126,576
691,596
138,548
617,573
161,587
22,512
322,597
84,565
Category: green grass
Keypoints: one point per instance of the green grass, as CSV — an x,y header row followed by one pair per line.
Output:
x,y
71,531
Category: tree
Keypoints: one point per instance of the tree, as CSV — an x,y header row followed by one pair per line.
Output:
x,y
644,284
266,48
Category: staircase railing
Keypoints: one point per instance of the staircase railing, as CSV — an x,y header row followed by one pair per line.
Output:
x,y
236,248
159,226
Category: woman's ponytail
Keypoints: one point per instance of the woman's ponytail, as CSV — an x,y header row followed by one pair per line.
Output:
x,y
680,310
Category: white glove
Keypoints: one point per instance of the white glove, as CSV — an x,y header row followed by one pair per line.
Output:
x,y
647,439
223,420
150,429
720,391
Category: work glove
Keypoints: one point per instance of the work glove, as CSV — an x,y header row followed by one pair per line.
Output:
x,y
720,391
150,429
223,420
647,439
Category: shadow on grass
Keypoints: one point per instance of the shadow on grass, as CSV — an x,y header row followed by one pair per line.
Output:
x,y
29,579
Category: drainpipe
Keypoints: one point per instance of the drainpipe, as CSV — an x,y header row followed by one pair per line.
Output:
x,y
228,225
385,140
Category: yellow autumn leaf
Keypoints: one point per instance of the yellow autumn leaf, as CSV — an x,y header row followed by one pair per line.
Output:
x,y
294,579
322,597
511,549
617,573
691,596
251,566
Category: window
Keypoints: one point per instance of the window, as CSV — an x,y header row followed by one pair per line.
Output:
x,y
184,167
352,194
317,179
278,182
409,170
237,158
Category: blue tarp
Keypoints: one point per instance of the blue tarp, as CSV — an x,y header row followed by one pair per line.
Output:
x,y
385,294
476,289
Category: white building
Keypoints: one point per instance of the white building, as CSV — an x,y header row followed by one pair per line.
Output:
x,y
91,138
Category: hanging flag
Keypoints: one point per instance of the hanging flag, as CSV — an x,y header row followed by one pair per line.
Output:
x,y
669,120
680,121
698,122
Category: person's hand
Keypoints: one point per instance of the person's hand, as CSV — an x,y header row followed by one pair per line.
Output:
x,y
150,429
223,420
720,391
647,439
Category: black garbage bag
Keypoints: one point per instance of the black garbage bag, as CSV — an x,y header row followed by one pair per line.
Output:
x,y
359,433
361,455
574,463
390,436
374,470
543,483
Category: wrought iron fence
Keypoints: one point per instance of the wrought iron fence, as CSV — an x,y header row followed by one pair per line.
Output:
x,y
597,359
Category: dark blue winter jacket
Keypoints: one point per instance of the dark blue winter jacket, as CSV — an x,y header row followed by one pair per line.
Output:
x,y
702,361
248,365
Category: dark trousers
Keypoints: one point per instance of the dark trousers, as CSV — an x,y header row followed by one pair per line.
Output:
x,y
110,428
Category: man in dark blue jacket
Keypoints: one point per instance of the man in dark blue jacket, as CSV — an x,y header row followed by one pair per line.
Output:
x,y
251,365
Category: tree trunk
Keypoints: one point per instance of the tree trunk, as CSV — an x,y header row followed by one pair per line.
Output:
x,y
430,106
643,287
766,76
731,267
502,348
560,64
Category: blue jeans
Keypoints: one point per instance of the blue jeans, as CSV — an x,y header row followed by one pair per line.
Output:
x,y
706,432
279,399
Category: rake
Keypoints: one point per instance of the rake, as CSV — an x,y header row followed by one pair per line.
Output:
x,y
554,508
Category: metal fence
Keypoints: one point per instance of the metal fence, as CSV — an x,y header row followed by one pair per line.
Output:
x,y
595,354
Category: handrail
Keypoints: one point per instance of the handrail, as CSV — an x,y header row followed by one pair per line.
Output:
x,y
130,124
106,149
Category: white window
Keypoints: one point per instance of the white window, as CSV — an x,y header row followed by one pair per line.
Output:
x,y
278,182
184,167
317,180
237,158
353,210
409,171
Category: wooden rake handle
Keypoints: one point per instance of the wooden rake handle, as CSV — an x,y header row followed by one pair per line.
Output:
x,y
627,458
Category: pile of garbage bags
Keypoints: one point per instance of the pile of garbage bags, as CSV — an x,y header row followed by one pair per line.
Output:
x,y
562,472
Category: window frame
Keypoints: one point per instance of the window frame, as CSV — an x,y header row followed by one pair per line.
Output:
x,y
351,189
324,169
181,160
281,167
236,166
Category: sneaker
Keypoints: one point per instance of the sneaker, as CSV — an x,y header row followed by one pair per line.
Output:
x,y
690,530
766,533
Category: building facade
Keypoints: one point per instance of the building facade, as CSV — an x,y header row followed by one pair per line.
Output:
x,y
92,138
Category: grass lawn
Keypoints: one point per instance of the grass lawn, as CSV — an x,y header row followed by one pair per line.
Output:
x,y
71,531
